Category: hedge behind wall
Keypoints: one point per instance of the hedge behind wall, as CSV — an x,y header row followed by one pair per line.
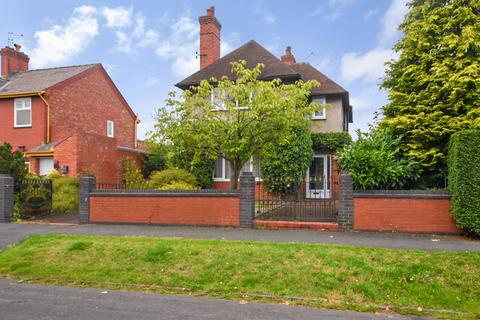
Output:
x,y
464,179
330,141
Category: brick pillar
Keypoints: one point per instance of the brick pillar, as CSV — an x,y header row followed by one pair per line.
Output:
x,y
247,199
345,209
6,198
87,185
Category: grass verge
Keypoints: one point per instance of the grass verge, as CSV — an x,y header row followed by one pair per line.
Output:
x,y
439,284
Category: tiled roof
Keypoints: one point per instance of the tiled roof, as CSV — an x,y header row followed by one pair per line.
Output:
x,y
308,72
40,79
254,53
251,52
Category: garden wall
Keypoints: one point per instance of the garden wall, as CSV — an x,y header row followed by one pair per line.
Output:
x,y
171,208
408,211
227,208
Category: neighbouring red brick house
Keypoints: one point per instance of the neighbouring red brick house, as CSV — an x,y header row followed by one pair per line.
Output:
x,y
336,118
73,118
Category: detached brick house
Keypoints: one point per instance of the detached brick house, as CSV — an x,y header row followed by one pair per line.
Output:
x,y
73,119
335,118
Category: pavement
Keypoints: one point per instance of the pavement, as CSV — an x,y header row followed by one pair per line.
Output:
x,y
11,233
31,301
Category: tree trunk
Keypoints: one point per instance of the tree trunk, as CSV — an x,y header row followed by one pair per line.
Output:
x,y
235,168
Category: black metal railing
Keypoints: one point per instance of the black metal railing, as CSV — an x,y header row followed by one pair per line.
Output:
x,y
314,200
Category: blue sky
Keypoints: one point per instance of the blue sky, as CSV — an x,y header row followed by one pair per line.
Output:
x,y
148,46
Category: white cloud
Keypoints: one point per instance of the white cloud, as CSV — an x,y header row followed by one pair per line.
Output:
x,y
391,20
140,37
269,18
332,10
370,13
118,17
61,43
181,47
369,66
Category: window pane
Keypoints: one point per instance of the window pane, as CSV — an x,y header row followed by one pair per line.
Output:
x,y
246,166
218,173
227,170
257,167
23,118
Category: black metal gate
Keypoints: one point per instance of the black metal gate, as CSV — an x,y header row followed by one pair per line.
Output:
x,y
315,200
35,197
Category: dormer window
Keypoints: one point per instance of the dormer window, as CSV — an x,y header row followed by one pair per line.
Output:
x,y
23,113
322,113
110,129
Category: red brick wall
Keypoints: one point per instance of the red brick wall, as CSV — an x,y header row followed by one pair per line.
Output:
x,y
403,214
84,104
29,137
180,210
94,154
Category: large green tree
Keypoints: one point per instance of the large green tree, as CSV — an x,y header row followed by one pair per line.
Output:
x,y
12,163
243,116
434,85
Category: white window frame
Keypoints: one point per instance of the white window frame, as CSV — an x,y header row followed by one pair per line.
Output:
x,y
22,108
111,124
322,100
217,93
226,179
223,178
27,164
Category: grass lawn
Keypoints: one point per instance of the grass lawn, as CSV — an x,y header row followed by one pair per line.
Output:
x,y
444,285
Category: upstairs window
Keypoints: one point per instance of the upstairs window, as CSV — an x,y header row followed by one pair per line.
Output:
x,y
320,114
23,113
110,129
217,99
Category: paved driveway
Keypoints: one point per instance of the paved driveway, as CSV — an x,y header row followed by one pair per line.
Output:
x,y
12,232
22,301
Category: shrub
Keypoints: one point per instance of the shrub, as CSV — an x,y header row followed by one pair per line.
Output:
x,y
197,163
375,161
284,164
155,158
464,179
330,141
65,196
178,186
132,175
12,163
169,176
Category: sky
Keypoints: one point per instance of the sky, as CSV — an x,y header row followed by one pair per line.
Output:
x,y
148,46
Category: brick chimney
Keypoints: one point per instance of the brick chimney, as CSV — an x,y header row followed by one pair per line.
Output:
x,y
288,58
13,60
209,38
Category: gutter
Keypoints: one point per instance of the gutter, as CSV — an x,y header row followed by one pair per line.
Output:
x,y
29,94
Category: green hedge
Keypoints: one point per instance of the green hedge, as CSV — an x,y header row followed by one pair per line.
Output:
x,y
464,179
330,141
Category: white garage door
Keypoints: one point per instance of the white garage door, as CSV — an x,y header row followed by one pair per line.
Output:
x,y
46,166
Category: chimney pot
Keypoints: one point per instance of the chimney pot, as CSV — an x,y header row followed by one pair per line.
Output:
x,y
13,60
288,58
211,11
209,38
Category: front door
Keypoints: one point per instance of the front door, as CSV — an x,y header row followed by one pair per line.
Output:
x,y
45,166
318,177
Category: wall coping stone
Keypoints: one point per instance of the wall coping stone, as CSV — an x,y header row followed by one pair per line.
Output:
x,y
406,194
165,193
